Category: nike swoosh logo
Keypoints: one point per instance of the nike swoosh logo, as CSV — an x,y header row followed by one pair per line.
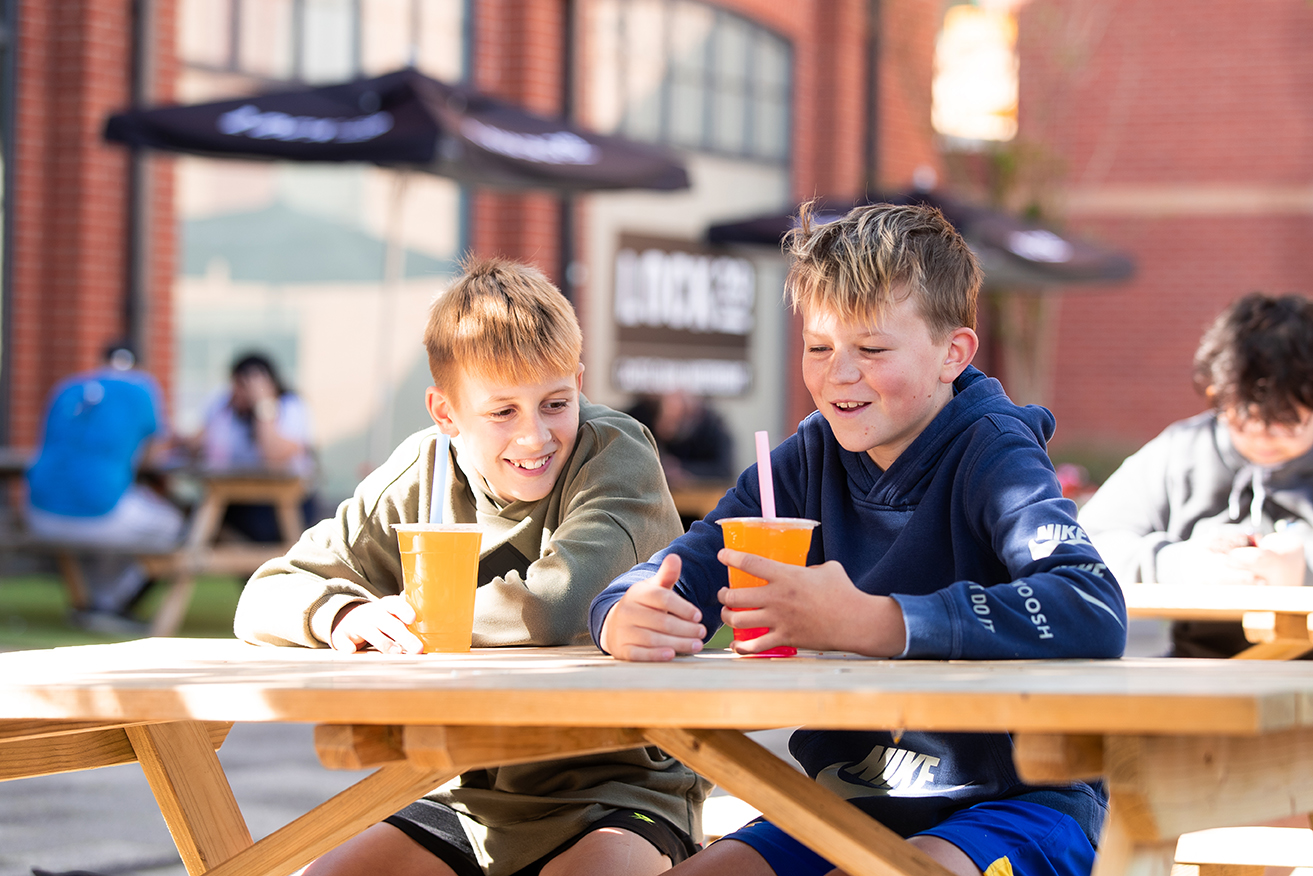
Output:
x,y
1041,549
830,778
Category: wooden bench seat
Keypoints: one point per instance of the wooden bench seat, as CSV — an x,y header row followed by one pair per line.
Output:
x,y
178,568
199,554
1242,851
64,554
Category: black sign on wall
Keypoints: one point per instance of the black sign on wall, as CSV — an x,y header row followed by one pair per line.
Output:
x,y
684,315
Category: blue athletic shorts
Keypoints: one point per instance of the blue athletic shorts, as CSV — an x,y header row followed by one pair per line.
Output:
x,y
1003,838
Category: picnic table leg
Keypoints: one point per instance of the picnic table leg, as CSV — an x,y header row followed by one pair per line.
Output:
x,y
1161,787
202,814
290,523
818,817
1276,635
204,525
173,608
332,823
192,791
74,581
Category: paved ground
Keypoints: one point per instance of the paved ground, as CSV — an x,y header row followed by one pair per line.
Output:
x,y
106,821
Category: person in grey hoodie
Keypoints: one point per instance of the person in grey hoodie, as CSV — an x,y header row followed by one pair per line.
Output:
x,y
1224,497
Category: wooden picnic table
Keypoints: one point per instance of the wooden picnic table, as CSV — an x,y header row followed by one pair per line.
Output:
x,y
1183,744
200,554
1277,620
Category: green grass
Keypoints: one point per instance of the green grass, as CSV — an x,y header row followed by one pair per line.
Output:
x,y
34,612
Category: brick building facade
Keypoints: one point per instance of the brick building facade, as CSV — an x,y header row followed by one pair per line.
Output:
x,y
68,214
67,211
1181,133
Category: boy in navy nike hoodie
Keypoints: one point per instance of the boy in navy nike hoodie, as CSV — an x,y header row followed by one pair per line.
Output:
x,y
943,535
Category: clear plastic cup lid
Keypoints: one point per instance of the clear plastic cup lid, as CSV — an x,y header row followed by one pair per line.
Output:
x,y
782,522
436,527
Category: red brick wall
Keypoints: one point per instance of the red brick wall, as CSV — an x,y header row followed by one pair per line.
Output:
x,y
159,342
69,205
907,48
518,57
1185,136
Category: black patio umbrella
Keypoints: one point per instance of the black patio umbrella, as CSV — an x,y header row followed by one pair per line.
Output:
x,y
406,120
1013,253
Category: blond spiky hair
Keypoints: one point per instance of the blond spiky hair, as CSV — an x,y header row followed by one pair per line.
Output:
x,y
861,264
503,320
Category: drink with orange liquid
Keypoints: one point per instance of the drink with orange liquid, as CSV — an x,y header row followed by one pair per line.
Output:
x,y
786,539
440,572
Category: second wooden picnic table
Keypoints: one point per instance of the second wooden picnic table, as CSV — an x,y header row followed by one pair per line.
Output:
x,y
1277,620
201,555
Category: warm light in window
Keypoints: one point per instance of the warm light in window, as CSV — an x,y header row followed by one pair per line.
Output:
x,y
975,84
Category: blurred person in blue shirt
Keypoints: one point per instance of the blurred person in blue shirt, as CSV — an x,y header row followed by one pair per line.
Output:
x,y
82,489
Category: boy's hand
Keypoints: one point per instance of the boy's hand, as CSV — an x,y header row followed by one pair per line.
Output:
x,y
813,607
1277,560
651,622
380,624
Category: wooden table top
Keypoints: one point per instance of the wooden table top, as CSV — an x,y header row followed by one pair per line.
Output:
x,y
1213,601
226,680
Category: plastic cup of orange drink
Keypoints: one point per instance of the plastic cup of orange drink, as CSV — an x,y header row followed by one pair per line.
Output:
x,y
440,572
786,539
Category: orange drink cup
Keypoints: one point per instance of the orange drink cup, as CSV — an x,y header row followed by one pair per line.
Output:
x,y
440,571
785,539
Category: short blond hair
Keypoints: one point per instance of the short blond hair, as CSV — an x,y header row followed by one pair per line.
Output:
x,y
861,264
501,320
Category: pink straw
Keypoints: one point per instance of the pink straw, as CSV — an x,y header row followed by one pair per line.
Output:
x,y
765,481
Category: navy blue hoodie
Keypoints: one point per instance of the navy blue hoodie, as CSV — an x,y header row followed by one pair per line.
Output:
x,y
969,533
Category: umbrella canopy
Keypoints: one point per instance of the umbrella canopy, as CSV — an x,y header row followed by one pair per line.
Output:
x,y
1012,252
405,119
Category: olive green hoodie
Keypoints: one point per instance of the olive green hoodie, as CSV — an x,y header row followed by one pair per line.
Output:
x,y
540,566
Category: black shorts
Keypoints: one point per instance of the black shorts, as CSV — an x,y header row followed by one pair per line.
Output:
x,y
437,828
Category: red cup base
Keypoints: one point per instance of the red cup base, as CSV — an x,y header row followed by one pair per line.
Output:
x,y
781,651
745,635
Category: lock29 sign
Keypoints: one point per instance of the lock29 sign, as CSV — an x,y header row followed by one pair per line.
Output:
x,y
683,317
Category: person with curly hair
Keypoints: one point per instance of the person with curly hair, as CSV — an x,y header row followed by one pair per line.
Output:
x,y
1224,497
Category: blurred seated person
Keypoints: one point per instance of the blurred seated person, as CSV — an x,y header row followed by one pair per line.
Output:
x,y
99,427
1224,497
691,438
258,423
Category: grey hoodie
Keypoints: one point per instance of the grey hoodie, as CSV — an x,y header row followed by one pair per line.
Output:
x,y
1187,483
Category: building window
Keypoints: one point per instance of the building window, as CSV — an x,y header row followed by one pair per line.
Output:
x,y
292,259
976,75
689,74
314,41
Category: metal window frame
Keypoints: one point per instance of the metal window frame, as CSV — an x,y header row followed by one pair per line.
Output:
x,y
752,93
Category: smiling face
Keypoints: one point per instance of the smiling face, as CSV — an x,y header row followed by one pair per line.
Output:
x,y
880,384
518,435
